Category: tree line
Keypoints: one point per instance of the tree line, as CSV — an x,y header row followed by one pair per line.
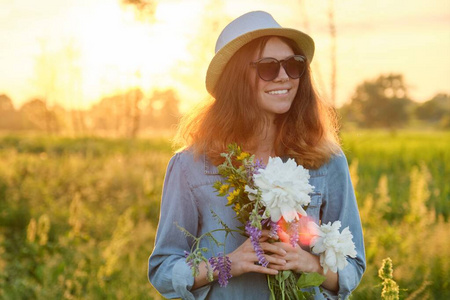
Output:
x,y
380,103
384,102
125,115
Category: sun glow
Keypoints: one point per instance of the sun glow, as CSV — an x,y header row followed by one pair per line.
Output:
x,y
120,52
92,49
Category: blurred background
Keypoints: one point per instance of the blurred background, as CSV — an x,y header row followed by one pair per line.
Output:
x,y
90,95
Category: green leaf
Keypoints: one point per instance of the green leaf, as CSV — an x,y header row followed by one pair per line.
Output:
x,y
285,275
309,280
301,295
217,185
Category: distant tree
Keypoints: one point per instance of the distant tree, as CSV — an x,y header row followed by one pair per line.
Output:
x,y
104,115
435,109
135,96
9,117
36,116
383,102
6,104
169,112
162,110
118,114
60,118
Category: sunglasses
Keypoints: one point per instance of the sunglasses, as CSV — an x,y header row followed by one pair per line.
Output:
x,y
268,68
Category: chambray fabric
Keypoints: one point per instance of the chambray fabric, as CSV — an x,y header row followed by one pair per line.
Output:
x,y
187,200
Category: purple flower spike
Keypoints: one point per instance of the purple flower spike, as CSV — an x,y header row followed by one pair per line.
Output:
x,y
274,227
255,235
221,264
293,233
258,165
192,261
253,168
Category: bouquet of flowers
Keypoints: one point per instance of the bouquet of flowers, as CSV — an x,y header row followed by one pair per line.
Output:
x,y
273,197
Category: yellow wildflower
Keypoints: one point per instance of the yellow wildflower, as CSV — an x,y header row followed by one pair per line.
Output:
x,y
242,156
31,231
223,189
237,208
43,227
233,195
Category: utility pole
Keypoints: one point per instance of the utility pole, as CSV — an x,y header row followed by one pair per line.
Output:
x,y
332,27
317,73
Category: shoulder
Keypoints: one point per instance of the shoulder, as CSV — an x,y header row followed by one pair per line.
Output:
x,y
195,168
184,161
338,159
336,163
337,166
184,156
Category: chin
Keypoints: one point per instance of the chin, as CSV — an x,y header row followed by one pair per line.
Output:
x,y
273,113
281,110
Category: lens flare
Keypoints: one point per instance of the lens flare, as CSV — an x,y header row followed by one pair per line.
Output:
x,y
304,233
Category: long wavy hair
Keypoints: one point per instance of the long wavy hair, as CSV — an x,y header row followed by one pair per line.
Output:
x,y
307,132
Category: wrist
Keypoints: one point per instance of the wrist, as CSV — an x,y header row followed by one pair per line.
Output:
x,y
317,268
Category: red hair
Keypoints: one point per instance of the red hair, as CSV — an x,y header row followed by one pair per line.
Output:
x,y
307,132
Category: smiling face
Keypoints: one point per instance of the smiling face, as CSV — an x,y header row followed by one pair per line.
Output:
x,y
275,97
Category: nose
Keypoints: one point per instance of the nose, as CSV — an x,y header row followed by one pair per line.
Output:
x,y
282,75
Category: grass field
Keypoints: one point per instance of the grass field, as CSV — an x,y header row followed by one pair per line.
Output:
x,y
78,215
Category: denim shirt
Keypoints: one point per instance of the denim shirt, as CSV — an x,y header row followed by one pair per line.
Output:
x,y
187,200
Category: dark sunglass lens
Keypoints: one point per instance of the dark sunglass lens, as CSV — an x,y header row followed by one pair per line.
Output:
x,y
268,69
295,66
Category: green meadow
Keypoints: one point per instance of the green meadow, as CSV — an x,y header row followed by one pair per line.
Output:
x,y
78,215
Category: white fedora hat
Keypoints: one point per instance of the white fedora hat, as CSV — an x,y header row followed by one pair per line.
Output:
x,y
244,29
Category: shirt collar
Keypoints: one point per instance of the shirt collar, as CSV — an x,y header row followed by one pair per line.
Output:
x,y
209,168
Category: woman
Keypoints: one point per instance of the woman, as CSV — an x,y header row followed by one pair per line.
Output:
x,y
264,101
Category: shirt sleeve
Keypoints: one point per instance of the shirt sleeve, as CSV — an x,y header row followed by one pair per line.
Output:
x,y
341,205
167,270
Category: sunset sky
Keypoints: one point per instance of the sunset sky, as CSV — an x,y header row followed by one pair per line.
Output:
x,y
75,51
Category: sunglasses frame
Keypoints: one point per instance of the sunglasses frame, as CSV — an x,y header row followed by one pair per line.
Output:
x,y
281,63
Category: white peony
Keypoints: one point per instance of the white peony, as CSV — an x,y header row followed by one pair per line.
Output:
x,y
284,189
332,245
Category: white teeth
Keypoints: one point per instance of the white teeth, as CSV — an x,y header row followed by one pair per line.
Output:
x,y
279,92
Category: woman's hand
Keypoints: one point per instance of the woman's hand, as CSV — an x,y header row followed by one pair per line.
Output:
x,y
297,259
244,259
300,260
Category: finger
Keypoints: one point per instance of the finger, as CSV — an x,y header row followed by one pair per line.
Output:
x,y
280,257
264,270
265,235
287,246
278,267
273,248
275,260
253,258
265,232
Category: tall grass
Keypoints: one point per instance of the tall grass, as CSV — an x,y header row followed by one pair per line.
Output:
x,y
394,155
402,186
78,215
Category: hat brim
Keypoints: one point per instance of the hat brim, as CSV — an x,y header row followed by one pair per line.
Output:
x,y
220,60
